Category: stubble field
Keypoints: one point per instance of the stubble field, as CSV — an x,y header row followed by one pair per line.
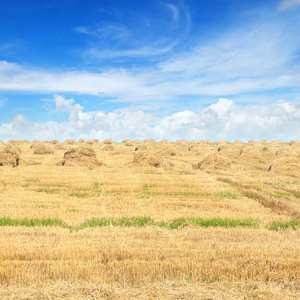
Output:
x,y
131,220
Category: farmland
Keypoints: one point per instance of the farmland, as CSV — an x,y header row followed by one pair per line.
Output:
x,y
150,220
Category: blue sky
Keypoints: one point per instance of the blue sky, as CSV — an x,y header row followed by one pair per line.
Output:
x,y
219,69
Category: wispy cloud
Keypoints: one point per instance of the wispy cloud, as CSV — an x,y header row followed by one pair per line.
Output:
x,y
256,58
288,4
148,36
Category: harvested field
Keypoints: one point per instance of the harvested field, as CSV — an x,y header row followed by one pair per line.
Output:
x,y
84,223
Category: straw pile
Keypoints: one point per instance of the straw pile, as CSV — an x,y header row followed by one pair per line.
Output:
x,y
10,156
43,149
286,166
250,152
286,152
82,156
147,158
215,161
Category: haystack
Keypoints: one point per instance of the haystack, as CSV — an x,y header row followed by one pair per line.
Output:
x,y
125,141
286,152
10,156
165,141
129,143
141,147
250,152
202,152
53,142
286,166
70,142
204,143
270,149
238,143
193,142
215,161
264,141
182,142
169,151
275,143
218,143
108,147
147,158
60,146
90,142
107,142
36,142
194,147
43,149
81,141
224,147
82,156
293,143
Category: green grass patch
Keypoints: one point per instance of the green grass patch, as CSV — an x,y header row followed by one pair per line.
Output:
x,y
284,225
281,194
6,221
227,195
47,190
146,221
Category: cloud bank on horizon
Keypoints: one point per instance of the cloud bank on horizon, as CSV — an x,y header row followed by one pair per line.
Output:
x,y
150,70
221,120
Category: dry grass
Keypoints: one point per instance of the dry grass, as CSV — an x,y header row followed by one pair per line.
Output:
x,y
151,262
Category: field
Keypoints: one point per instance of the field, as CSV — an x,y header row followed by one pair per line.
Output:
x,y
149,220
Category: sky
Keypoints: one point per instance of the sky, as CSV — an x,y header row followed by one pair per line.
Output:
x,y
131,69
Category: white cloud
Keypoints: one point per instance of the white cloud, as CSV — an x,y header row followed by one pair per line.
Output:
x,y
288,4
221,120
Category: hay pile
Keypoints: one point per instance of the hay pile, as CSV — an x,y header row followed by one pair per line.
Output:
x,y
182,142
10,156
108,147
193,142
169,151
293,143
286,152
165,141
275,143
53,142
218,143
43,149
81,141
250,152
204,143
129,143
36,142
90,142
215,161
141,147
148,158
270,149
238,143
82,156
224,147
286,166
202,152
264,141
107,142
70,142
60,146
